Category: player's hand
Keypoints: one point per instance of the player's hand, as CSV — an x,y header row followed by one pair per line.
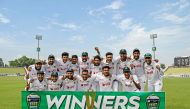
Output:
x,y
27,86
156,60
31,81
131,78
132,66
27,76
96,48
129,58
158,67
63,77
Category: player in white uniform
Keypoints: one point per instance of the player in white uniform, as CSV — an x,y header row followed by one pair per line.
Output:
x,y
64,64
31,71
74,65
84,81
120,64
84,64
37,84
109,61
51,66
70,82
137,68
154,74
95,69
104,80
55,82
129,82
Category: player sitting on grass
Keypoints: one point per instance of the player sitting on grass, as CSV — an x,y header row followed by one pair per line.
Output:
x,y
129,82
38,84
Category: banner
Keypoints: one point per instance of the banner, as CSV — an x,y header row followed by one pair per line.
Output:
x,y
92,100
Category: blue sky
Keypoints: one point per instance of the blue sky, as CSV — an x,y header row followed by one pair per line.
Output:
x,y
80,25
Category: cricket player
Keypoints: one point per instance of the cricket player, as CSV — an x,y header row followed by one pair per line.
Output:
x,y
55,82
37,84
137,68
85,63
104,80
84,81
120,64
154,74
96,67
109,61
51,66
70,82
74,65
64,64
129,82
31,71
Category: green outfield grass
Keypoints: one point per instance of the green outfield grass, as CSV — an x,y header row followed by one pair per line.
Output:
x,y
177,92
12,70
177,70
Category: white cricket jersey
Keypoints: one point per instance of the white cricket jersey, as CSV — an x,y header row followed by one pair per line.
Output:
x,y
33,72
75,68
51,68
36,85
69,85
55,86
152,73
63,67
84,66
94,70
138,67
127,84
111,65
104,83
84,85
120,65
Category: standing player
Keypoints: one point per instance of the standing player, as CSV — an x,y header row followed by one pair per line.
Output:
x,y
55,82
120,64
84,81
104,80
31,72
85,63
64,64
70,82
74,65
129,82
154,73
137,66
95,69
109,61
51,66
38,84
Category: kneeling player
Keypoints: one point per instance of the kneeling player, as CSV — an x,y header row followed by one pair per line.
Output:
x,y
104,80
84,81
55,83
70,82
37,84
129,82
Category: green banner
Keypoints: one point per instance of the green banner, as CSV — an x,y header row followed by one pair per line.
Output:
x,y
92,100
